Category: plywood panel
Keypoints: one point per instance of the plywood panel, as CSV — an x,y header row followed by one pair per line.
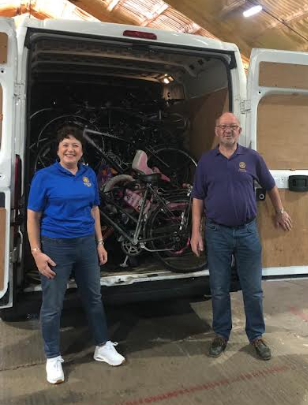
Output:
x,y
2,245
282,248
284,75
203,113
282,131
1,113
3,47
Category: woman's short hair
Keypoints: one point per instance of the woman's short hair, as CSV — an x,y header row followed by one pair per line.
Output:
x,y
70,130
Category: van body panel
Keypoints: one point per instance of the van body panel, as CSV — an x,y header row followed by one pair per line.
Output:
x,y
8,69
270,90
277,125
110,30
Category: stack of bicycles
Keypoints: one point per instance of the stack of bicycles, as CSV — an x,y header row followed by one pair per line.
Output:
x,y
149,214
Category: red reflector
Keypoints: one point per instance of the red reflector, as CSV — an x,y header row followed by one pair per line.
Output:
x,y
139,34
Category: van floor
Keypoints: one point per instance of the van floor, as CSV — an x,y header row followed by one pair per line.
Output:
x,y
165,345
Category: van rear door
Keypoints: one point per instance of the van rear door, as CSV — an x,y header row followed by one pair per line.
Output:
x,y
278,126
8,70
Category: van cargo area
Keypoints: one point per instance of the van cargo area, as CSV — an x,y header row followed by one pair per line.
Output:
x,y
156,93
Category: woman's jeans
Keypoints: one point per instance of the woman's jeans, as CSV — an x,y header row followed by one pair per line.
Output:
x,y
242,242
80,255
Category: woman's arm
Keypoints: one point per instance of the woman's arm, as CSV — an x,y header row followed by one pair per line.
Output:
x,y
102,253
42,261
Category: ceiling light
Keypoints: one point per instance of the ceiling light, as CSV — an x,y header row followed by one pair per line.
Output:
x,y
252,11
166,80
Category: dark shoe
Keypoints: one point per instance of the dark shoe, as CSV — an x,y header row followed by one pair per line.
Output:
x,y
218,345
262,350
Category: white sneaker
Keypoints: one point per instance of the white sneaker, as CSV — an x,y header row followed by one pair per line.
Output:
x,y
108,353
54,370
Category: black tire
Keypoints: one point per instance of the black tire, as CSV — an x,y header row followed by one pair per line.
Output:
x,y
177,164
164,224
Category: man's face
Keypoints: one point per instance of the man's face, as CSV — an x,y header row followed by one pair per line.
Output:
x,y
228,130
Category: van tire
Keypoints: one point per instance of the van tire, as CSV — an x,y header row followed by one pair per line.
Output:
x,y
10,315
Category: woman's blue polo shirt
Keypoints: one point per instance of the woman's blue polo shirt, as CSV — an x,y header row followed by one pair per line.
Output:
x,y
65,201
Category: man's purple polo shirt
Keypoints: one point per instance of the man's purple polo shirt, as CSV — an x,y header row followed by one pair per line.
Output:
x,y
227,185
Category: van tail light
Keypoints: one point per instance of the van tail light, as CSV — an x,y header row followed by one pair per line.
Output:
x,y
139,34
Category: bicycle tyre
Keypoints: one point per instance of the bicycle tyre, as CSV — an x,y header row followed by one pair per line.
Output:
x,y
175,163
180,259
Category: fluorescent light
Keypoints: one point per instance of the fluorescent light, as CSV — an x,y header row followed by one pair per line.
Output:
x,y
252,11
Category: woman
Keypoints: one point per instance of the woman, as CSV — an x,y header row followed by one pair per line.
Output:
x,y
65,234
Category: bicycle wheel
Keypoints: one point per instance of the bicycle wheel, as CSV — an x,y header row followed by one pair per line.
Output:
x,y
46,155
175,163
170,225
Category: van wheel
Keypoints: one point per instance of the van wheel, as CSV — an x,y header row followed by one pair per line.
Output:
x,y
10,315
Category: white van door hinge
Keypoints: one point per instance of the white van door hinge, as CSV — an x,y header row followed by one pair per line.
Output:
x,y
18,89
245,106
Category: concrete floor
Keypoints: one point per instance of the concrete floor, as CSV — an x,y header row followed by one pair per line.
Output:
x,y
165,345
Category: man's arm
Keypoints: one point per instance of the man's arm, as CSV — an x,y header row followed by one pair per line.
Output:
x,y
196,237
282,217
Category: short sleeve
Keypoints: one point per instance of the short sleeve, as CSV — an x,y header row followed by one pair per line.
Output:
x,y
37,195
96,201
265,178
199,188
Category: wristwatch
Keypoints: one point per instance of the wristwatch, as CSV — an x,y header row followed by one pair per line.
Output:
x,y
281,211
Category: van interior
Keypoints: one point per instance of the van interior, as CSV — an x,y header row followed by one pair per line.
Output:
x,y
106,82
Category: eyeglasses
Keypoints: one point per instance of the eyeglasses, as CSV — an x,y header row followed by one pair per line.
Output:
x,y
223,127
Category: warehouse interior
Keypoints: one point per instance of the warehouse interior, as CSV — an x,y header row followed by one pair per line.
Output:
x,y
165,341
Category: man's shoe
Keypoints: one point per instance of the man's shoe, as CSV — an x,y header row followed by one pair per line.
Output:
x,y
262,350
108,353
54,370
218,345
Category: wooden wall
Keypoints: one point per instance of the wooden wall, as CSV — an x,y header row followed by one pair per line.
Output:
x,y
282,248
202,113
284,75
282,131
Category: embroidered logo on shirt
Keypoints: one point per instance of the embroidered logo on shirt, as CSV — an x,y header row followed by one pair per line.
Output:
x,y
86,182
242,167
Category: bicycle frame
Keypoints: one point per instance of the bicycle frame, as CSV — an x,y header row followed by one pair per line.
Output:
x,y
142,218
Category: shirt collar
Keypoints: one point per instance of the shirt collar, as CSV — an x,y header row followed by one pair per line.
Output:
x,y
239,150
81,169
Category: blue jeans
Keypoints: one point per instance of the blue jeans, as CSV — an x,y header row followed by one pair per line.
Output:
x,y
80,255
243,242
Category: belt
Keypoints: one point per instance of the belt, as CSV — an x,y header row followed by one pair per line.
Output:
x,y
233,226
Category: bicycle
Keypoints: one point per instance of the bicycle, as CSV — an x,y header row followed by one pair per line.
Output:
x,y
146,218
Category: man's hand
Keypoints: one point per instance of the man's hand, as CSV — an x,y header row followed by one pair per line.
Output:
x,y
196,243
284,220
43,262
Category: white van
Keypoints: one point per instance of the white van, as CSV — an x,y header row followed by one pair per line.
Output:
x,y
40,60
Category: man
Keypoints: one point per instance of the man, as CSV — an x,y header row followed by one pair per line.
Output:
x,y
224,188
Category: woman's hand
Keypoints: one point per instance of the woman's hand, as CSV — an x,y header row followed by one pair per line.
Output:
x,y
102,254
42,262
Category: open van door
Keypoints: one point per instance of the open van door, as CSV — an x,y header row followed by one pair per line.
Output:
x,y
277,122
8,71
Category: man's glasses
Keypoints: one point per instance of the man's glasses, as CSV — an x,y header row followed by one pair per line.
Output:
x,y
223,127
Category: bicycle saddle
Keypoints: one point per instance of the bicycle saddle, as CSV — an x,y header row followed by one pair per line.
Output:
x,y
150,178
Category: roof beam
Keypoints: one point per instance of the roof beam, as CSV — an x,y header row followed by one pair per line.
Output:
x,y
232,6
159,11
113,4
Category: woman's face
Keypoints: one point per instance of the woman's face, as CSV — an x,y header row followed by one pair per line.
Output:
x,y
69,151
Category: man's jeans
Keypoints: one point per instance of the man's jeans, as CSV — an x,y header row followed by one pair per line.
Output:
x,y
79,254
243,242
